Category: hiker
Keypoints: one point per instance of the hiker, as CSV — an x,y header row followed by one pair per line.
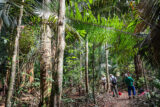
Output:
x,y
103,80
129,82
114,88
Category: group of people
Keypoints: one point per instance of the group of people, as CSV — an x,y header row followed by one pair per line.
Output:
x,y
113,82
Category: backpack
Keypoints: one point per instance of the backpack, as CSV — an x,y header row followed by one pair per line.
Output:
x,y
114,81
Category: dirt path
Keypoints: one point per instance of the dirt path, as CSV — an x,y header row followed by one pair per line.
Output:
x,y
122,101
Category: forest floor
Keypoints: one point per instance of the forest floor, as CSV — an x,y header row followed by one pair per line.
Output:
x,y
106,100
122,101
102,100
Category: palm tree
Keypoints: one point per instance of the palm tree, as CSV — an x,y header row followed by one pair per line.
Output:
x,y
45,56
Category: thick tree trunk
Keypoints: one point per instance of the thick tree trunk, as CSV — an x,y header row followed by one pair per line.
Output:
x,y
107,70
140,70
13,73
45,60
86,66
144,75
138,66
45,63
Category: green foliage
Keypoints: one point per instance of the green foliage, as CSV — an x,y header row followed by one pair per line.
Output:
x,y
140,82
71,65
156,82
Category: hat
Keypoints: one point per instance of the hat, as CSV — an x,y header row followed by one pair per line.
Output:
x,y
126,75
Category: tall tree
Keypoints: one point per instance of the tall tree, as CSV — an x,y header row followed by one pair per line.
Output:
x,y
13,72
93,68
45,59
59,57
86,65
81,65
107,70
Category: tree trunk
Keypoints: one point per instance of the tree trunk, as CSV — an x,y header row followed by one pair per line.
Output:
x,y
107,70
1,24
93,67
59,56
45,60
13,73
81,73
54,75
86,66
138,66
144,75
31,74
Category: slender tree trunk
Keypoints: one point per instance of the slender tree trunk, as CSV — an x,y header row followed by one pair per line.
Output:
x,y
53,97
45,60
13,73
107,70
18,71
81,61
81,73
61,47
1,24
86,66
93,67
59,56
99,68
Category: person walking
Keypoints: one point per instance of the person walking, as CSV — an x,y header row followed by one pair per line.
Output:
x,y
114,88
129,82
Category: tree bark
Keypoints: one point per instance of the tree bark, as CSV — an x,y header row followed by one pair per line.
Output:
x,y
81,72
45,60
1,24
86,66
59,55
93,67
107,70
144,75
13,73
99,68
54,75
138,66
